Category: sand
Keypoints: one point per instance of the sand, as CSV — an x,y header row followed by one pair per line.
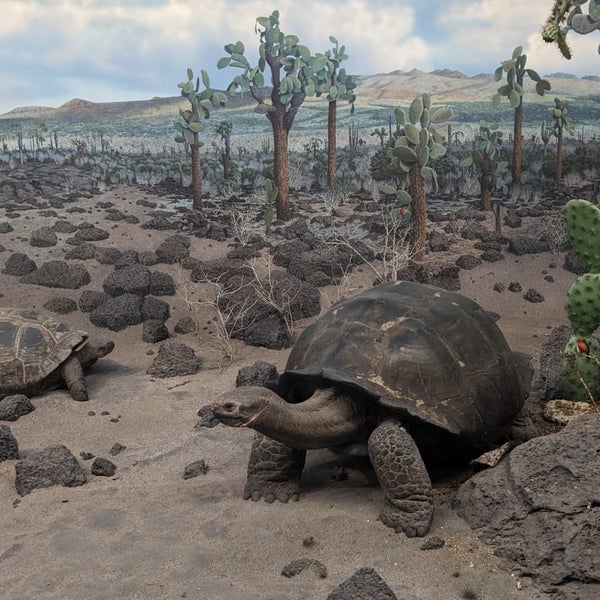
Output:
x,y
147,533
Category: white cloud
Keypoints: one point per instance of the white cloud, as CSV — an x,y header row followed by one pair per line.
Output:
x,y
122,49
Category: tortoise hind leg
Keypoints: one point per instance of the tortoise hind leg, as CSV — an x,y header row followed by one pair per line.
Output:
x,y
408,504
72,373
273,471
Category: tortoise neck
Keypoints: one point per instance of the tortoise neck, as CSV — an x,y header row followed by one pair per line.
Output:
x,y
327,418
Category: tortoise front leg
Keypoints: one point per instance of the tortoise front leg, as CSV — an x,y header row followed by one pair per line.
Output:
x,y
408,504
274,471
72,373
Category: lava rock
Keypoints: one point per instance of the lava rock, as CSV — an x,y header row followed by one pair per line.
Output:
x,y
185,325
133,279
532,295
161,284
515,286
91,299
573,263
58,274
548,377
108,256
492,256
9,448
155,309
103,467
44,237
84,251
540,507
91,234
19,264
44,468
61,306
259,373
154,331
118,313
365,584
174,359
198,467
468,262
14,407
438,242
174,249
525,244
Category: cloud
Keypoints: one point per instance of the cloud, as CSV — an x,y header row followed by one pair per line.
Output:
x,y
102,50
485,32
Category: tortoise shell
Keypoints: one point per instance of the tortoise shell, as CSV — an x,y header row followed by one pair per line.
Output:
x,y
430,355
32,347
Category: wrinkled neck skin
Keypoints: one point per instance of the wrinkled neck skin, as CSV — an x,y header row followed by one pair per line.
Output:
x,y
327,418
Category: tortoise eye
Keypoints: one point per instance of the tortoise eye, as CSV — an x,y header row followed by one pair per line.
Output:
x,y
229,406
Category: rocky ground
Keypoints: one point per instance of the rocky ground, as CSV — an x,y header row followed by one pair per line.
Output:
x,y
156,511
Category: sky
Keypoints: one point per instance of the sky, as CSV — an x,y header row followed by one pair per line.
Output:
x,y
108,50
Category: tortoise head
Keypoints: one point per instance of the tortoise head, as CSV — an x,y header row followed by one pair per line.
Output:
x,y
243,406
89,353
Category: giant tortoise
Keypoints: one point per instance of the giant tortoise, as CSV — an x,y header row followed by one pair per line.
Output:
x,y
38,353
413,371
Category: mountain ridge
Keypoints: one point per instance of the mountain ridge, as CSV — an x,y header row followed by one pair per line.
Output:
x,y
444,85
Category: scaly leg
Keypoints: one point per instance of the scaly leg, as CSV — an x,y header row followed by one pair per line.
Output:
x,y
72,373
274,471
408,504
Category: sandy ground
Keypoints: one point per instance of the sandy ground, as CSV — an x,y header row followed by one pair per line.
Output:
x,y
146,533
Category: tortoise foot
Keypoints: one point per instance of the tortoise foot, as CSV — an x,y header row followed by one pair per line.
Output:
x,y
413,518
274,471
283,491
404,479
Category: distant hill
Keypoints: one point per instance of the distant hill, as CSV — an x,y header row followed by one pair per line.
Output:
x,y
444,85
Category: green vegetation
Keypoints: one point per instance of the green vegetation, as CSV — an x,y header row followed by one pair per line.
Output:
x,y
417,144
294,74
486,156
567,15
513,90
189,124
559,113
581,362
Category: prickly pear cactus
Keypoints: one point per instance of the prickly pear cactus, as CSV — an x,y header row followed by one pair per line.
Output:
x,y
581,360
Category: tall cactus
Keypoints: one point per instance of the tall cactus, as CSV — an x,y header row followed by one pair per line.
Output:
x,y
567,16
294,71
561,121
581,357
513,90
189,124
336,84
417,146
485,156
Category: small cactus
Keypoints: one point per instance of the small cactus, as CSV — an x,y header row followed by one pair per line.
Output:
x,y
413,151
271,195
566,15
581,358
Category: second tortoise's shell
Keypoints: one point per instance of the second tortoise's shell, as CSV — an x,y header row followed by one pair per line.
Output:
x,y
32,347
431,355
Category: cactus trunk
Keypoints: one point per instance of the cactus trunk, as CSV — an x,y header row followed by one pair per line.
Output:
x,y
559,157
196,175
331,144
280,163
517,144
486,194
418,215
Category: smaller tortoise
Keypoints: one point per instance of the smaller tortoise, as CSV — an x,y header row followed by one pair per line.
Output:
x,y
38,354
412,371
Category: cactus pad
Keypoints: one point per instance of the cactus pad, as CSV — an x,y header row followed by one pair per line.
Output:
x,y
581,370
583,304
582,224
